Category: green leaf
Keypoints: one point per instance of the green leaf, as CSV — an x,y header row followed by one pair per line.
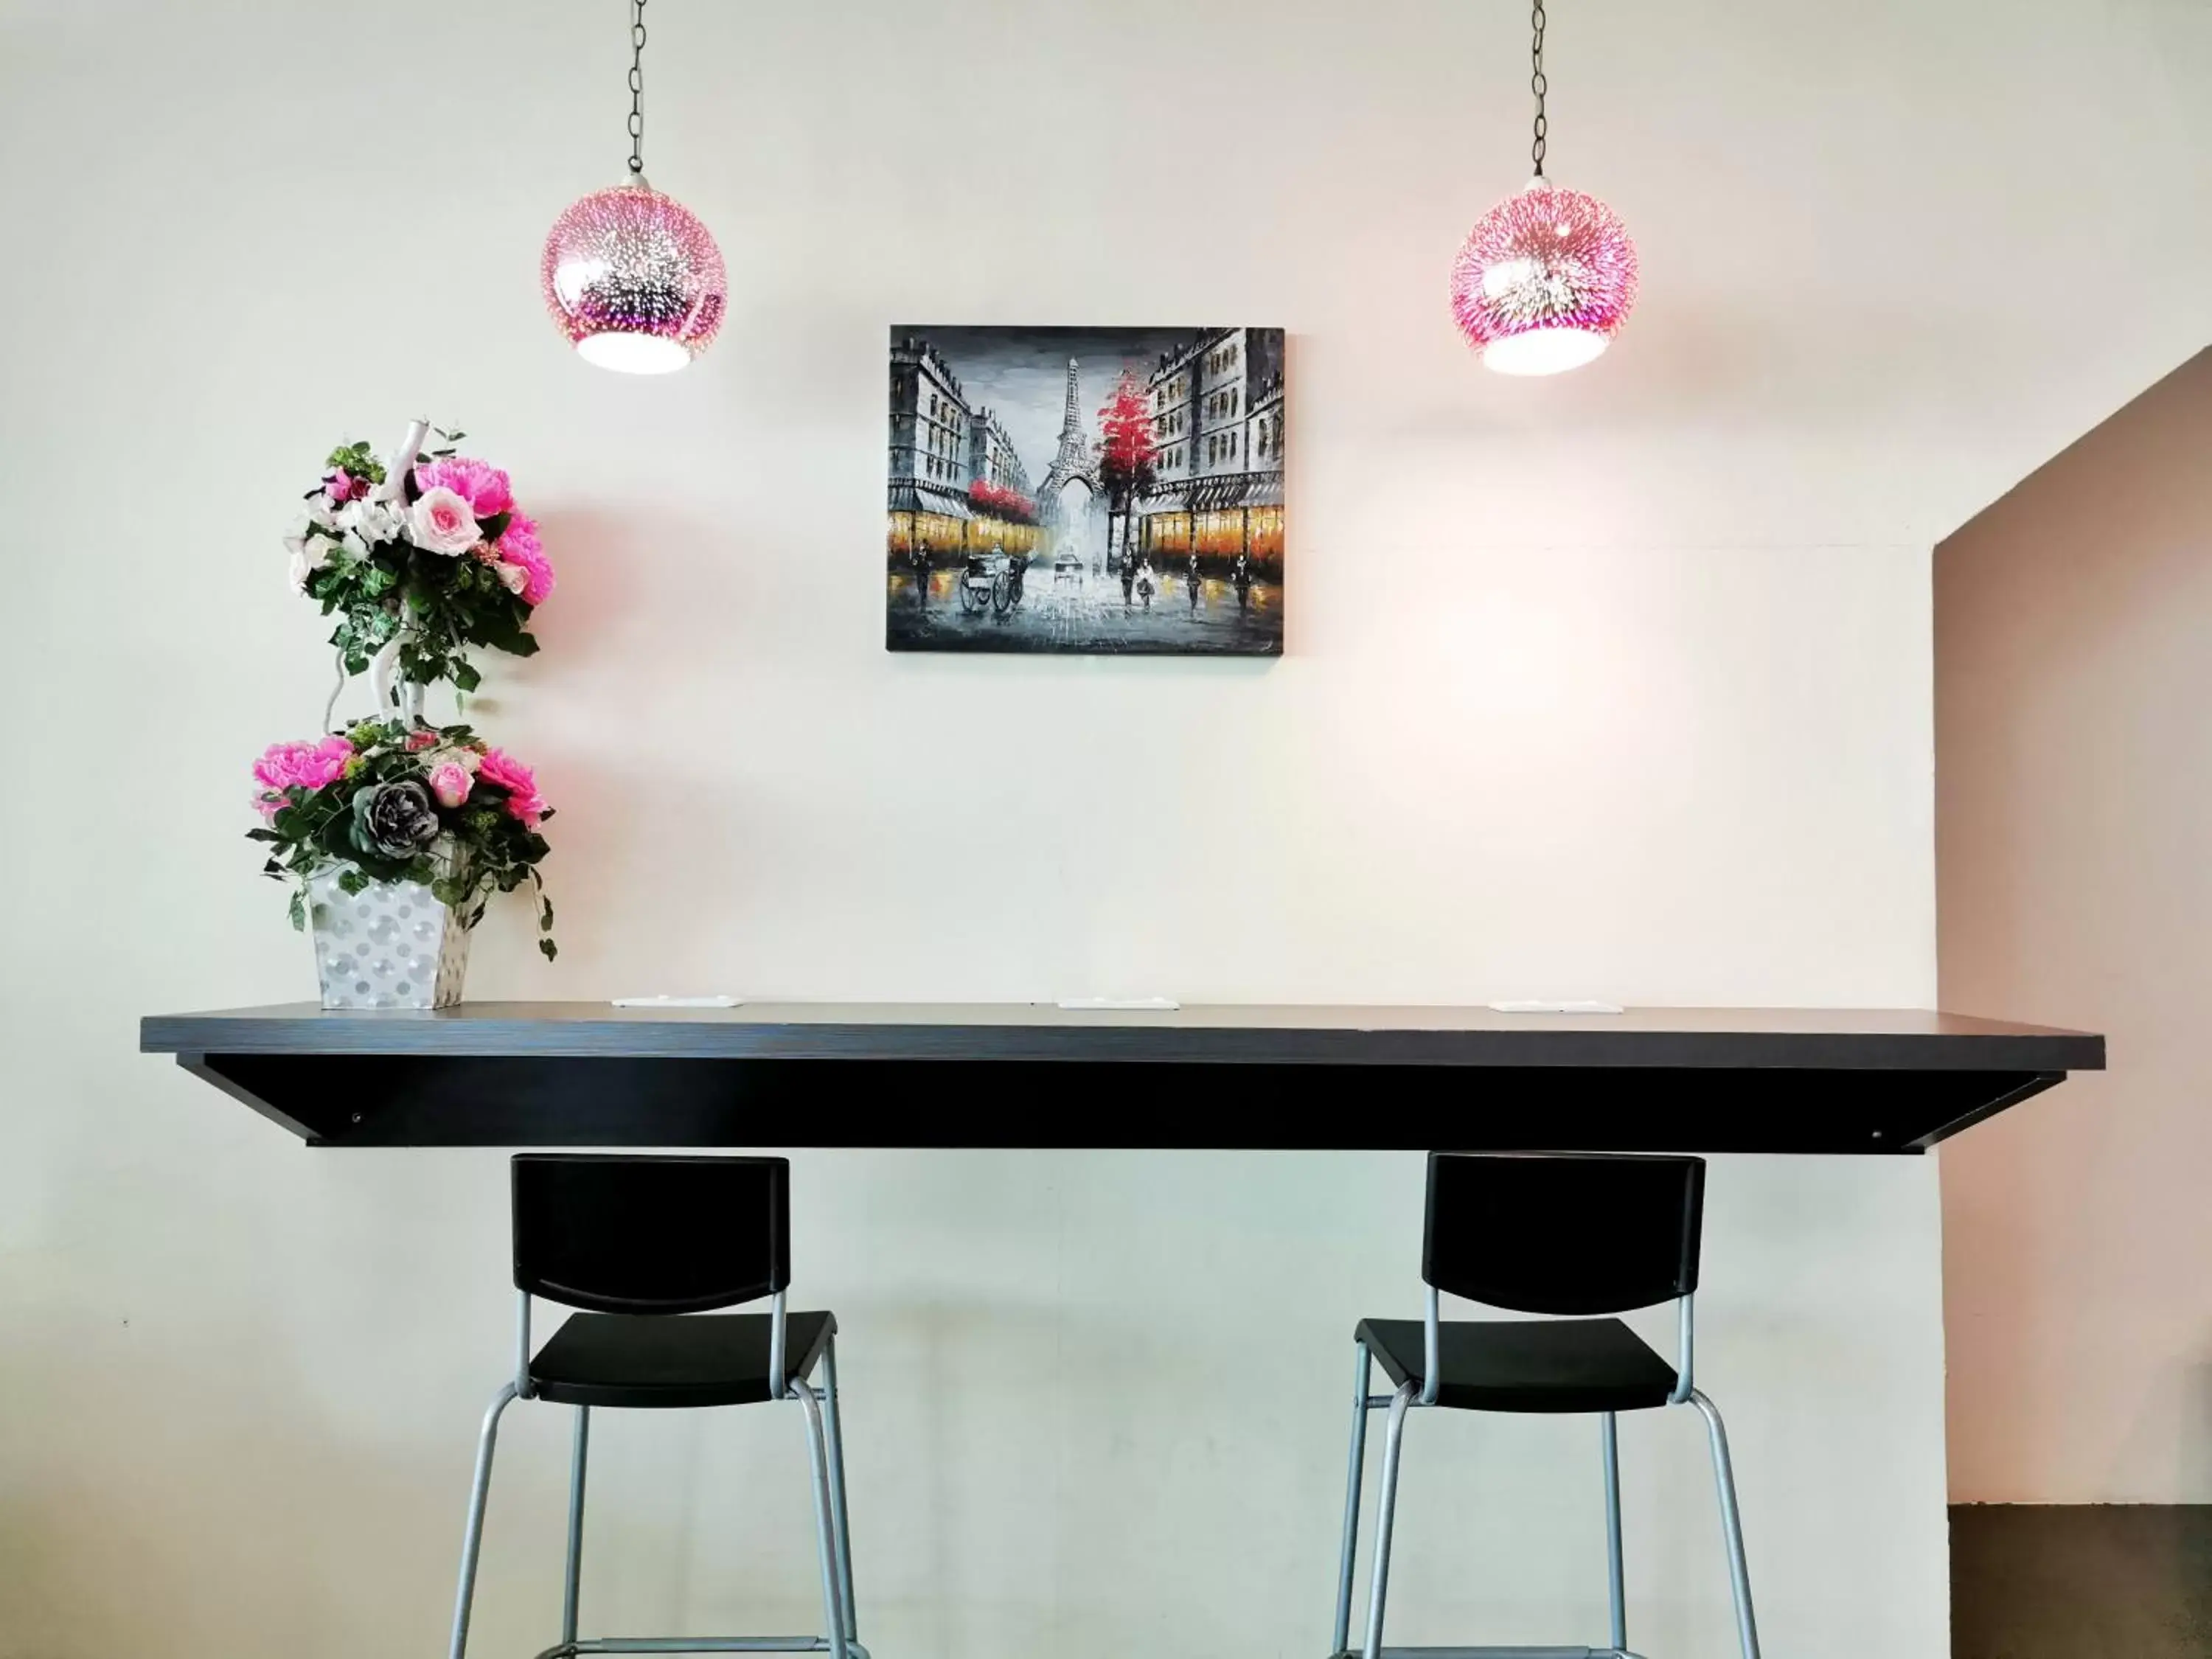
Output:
x,y
495,526
298,912
465,678
551,949
353,881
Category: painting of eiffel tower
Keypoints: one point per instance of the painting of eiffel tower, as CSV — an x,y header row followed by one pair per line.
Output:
x,y
1104,491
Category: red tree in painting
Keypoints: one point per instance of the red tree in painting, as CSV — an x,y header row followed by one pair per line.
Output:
x,y
1002,501
1128,457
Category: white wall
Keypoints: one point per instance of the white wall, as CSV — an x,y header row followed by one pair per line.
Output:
x,y
1618,686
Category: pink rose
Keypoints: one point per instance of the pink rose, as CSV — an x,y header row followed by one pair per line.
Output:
x,y
449,782
481,485
523,801
338,484
519,546
303,765
440,522
420,739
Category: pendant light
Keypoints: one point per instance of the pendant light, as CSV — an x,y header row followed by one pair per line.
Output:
x,y
1546,277
631,278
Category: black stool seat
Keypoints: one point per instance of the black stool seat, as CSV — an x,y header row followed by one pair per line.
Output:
x,y
1527,1365
697,1359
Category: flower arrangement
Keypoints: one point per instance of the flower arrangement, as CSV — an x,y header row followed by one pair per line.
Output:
x,y
438,560
388,801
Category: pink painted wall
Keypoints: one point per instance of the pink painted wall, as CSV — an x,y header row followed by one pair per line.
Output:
x,y
2074,860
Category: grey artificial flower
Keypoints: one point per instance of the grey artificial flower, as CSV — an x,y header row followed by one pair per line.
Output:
x,y
395,820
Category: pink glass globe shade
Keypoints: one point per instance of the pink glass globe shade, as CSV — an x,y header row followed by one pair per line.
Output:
x,y
634,280
1544,281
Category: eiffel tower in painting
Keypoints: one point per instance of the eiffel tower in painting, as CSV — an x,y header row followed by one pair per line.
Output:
x,y
1075,463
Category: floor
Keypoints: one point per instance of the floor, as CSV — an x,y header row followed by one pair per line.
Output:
x,y
2105,1581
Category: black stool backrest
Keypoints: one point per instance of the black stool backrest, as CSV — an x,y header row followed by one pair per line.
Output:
x,y
1555,1233
646,1234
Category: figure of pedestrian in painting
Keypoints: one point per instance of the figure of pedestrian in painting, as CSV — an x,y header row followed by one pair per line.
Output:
x,y
1147,584
1240,576
1128,577
921,560
1190,579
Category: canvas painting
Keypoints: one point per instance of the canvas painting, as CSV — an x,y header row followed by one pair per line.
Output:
x,y
1101,490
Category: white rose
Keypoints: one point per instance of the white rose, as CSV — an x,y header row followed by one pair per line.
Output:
x,y
440,522
302,566
513,576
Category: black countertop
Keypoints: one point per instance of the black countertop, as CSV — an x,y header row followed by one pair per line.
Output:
x,y
554,1073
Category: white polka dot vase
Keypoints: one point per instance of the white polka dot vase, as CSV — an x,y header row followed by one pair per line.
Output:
x,y
390,945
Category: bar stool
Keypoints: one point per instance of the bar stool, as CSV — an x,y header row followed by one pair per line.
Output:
x,y
635,1242
1542,1234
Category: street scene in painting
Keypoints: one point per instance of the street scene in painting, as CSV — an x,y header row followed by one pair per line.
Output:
x,y
1098,490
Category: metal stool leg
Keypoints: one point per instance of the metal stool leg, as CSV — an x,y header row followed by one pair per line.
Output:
x,y
1746,1627
826,1541
834,1428
1361,1370
1393,1443
573,1584
1616,1580
472,1534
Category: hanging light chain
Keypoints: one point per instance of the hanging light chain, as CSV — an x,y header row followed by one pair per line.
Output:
x,y
637,89
1538,85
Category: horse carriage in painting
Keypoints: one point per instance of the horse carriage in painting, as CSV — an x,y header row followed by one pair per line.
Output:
x,y
992,581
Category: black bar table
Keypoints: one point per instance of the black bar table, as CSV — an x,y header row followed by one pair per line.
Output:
x,y
572,1074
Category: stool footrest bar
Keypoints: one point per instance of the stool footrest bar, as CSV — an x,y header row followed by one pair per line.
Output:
x,y
1497,1653
696,1645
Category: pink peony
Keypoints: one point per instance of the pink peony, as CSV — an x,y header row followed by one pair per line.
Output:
x,y
523,800
450,783
481,485
303,765
519,546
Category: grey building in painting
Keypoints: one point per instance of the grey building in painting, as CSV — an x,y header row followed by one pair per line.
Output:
x,y
990,457
931,433
1217,406
939,444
